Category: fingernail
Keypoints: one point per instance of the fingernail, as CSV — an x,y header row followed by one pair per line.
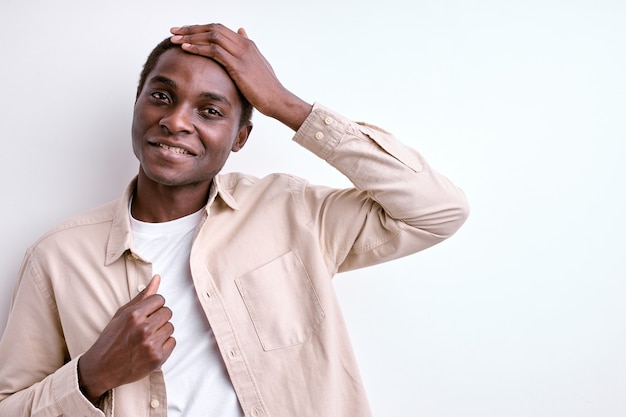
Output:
x,y
176,38
174,29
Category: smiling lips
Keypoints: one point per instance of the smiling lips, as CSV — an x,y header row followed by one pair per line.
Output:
x,y
174,149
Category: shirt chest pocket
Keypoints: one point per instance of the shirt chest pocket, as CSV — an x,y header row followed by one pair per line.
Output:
x,y
281,301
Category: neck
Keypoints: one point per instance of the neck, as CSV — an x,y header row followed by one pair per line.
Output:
x,y
155,203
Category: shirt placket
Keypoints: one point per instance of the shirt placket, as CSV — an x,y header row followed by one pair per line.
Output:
x,y
154,403
215,310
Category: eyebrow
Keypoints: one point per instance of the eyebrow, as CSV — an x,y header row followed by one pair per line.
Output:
x,y
171,83
164,80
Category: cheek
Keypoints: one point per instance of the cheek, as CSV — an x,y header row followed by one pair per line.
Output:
x,y
218,140
136,137
218,152
144,114
138,130
142,120
140,116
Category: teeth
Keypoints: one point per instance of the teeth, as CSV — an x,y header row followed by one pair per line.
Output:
x,y
174,149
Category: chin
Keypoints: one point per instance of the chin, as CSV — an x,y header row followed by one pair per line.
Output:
x,y
173,180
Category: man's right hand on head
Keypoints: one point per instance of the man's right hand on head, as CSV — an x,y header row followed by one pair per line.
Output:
x,y
137,341
247,67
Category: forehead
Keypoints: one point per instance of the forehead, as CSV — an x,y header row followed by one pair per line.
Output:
x,y
193,74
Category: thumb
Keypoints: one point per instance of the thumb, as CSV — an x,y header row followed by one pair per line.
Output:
x,y
151,289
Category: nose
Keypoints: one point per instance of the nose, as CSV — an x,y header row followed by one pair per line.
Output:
x,y
177,120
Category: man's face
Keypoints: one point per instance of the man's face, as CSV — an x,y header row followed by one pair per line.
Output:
x,y
186,120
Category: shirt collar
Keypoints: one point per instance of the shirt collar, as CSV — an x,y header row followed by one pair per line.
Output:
x,y
120,236
219,189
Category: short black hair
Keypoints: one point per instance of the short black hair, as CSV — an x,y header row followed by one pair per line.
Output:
x,y
151,62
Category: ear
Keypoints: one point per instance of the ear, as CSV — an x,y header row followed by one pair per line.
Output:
x,y
242,137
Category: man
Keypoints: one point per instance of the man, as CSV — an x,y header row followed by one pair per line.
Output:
x,y
198,294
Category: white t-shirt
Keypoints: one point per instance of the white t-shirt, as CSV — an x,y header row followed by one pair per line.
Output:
x,y
195,376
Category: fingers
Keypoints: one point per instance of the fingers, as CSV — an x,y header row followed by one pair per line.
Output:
x,y
195,29
154,308
243,33
159,335
150,324
164,336
203,34
160,316
212,40
168,347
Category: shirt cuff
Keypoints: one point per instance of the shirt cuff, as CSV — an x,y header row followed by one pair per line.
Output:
x,y
322,131
67,395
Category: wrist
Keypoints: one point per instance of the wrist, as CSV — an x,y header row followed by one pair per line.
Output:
x,y
87,384
291,111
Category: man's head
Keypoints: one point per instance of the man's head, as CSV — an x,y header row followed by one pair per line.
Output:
x,y
153,58
189,115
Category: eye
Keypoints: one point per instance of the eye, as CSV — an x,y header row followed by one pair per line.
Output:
x,y
160,96
211,112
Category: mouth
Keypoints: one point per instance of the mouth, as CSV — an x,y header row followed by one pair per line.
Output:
x,y
174,149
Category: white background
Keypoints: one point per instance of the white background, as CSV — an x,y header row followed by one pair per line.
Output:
x,y
521,103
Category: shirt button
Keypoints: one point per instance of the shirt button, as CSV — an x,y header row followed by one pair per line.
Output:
x,y
328,120
154,403
233,353
256,412
319,136
141,287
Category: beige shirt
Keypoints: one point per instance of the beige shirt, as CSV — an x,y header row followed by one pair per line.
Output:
x,y
262,263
